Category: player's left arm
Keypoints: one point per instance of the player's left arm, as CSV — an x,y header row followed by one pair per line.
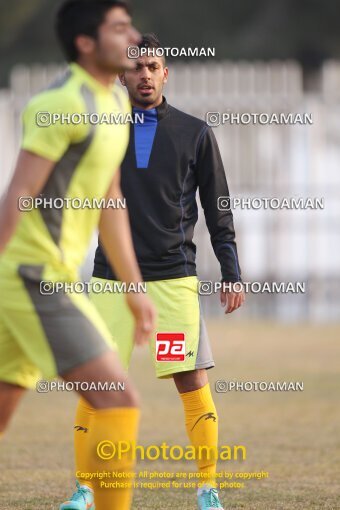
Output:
x,y
213,184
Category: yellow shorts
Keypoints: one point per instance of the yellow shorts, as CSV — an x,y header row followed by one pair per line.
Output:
x,y
45,335
180,342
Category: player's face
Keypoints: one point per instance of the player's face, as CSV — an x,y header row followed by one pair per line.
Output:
x,y
146,81
115,35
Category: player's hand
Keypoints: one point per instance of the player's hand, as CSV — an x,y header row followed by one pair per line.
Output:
x,y
232,300
144,314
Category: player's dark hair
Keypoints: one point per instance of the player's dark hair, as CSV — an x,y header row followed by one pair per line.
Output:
x,y
150,40
82,17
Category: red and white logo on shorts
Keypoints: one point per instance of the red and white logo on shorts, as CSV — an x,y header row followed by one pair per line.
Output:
x,y
170,347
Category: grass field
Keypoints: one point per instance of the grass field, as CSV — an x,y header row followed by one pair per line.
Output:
x,y
295,436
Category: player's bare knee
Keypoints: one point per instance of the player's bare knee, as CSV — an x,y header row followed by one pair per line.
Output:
x,y
4,422
110,399
132,397
10,396
191,380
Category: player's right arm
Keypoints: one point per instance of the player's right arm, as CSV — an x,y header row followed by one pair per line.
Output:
x,y
116,239
41,148
30,176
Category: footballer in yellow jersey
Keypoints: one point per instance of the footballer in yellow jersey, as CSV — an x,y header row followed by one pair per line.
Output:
x,y
60,159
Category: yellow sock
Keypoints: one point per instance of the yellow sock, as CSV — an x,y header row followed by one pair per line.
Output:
x,y
201,423
82,422
113,425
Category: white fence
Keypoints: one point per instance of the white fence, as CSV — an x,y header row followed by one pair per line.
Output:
x,y
260,161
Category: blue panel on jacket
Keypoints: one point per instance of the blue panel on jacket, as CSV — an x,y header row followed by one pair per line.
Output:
x,y
144,136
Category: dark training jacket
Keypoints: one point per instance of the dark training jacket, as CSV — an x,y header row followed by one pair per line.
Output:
x,y
169,157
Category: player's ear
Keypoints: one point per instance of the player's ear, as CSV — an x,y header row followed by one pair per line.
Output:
x,y
85,45
166,74
122,79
